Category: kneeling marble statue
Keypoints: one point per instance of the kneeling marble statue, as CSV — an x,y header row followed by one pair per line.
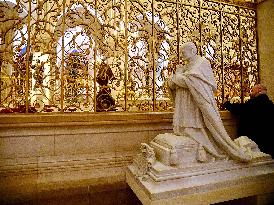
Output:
x,y
199,139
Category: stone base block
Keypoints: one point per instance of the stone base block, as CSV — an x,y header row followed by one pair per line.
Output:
x,y
204,189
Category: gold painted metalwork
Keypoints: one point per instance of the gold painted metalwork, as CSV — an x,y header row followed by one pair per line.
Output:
x,y
115,55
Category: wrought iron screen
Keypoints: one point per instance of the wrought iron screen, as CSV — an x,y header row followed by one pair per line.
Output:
x,y
114,55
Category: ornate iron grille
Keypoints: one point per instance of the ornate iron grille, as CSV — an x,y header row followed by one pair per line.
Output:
x,y
114,55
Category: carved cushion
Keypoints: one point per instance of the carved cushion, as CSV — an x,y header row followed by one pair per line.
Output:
x,y
176,150
172,141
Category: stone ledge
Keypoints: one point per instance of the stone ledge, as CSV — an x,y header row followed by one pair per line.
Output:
x,y
109,117
57,119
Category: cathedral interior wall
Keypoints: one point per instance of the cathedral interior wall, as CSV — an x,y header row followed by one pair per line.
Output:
x,y
49,152
46,153
265,15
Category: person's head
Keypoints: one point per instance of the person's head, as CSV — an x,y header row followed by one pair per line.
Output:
x,y
257,90
188,50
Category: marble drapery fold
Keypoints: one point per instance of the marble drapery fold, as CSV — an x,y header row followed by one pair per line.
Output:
x,y
192,89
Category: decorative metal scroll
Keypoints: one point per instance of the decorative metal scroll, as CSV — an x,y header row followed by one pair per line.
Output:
x,y
94,56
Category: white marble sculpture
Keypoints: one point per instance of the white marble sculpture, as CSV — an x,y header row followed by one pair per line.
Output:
x,y
192,89
199,143
198,163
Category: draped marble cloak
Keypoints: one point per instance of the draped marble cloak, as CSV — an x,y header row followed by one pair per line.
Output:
x,y
192,90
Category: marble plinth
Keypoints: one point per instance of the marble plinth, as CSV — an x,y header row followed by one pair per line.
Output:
x,y
204,189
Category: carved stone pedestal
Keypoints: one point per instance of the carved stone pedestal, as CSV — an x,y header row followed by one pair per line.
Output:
x,y
204,189
168,171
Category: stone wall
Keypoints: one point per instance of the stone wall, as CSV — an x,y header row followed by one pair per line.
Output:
x,y
47,152
265,11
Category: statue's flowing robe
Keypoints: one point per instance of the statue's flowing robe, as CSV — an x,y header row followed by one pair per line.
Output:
x,y
195,91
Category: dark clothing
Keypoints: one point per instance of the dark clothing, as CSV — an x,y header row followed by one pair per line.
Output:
x,y
256,121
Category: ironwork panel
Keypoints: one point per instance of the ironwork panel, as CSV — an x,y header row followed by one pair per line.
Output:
x,y
166,50
111,55
231,55
249,54
115,55
211,40
189,24
44,82
14,35
79,29
140,56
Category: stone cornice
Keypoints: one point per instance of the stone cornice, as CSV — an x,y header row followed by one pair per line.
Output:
x,y
86,119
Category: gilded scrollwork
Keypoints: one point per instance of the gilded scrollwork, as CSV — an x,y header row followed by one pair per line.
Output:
x,y
138,41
